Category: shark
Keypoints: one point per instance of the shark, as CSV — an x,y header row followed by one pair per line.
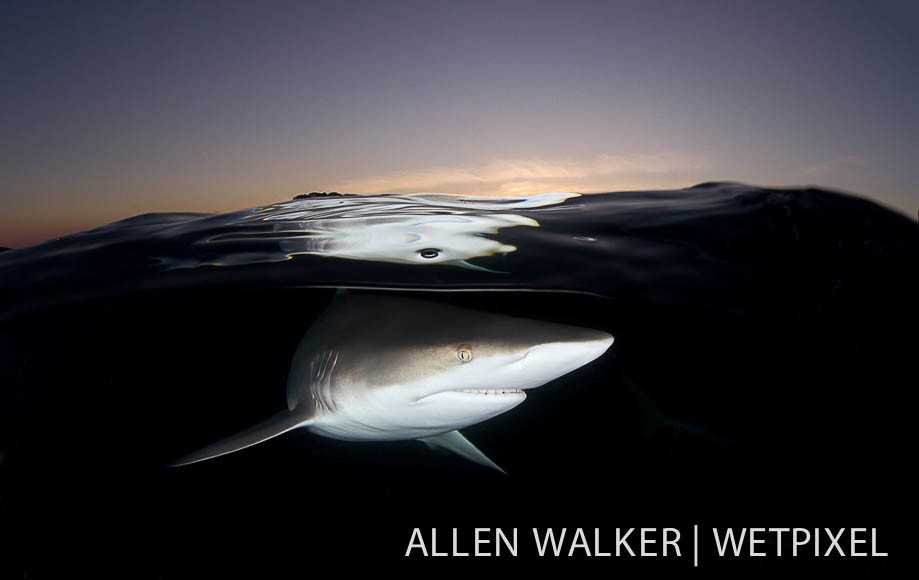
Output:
x,y
376,367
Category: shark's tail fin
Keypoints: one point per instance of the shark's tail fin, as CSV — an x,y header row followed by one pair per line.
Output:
x,y
277,425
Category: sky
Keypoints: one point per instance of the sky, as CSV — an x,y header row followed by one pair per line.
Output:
x,y
112,109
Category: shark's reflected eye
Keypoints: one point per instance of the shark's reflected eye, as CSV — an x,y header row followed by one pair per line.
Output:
x,y
464,353
429,253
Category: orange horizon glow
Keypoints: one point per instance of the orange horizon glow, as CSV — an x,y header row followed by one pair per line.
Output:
x,y
150,107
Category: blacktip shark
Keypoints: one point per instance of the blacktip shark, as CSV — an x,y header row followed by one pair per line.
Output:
x,y
382,368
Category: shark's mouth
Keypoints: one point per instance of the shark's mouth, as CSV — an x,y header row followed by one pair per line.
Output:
x,y
490,391
497,396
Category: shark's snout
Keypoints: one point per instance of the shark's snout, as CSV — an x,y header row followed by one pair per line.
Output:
x,y
596,343
554,359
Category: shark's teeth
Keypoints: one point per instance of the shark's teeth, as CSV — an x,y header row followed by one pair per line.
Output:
x,y
491,391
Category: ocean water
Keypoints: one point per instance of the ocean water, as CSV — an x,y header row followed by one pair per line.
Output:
x,y
764,357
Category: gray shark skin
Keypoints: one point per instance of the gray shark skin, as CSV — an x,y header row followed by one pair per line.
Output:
x,y
383,368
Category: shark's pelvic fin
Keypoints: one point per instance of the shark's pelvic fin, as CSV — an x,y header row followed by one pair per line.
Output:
x,y
655,419
277,425
455,442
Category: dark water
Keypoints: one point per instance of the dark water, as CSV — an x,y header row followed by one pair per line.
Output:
x,y
763,364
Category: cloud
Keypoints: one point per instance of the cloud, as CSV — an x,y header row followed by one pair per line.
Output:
x,y
528,176
836,166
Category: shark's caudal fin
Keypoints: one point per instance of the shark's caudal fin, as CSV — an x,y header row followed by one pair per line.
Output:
x,y
455,442
277,425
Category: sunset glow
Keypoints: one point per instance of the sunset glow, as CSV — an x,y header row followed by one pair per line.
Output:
x,y
110,110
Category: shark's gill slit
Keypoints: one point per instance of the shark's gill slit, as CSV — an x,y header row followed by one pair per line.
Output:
x,y
375,367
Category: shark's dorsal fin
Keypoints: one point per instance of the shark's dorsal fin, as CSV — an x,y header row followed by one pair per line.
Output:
x,y
277,425
455,442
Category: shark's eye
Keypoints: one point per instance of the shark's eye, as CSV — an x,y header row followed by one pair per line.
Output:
x,y
464,353
429,253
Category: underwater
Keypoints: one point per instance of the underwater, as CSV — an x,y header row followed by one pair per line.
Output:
x,y
760,361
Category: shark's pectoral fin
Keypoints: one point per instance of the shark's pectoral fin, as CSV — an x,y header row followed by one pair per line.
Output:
x,y
470,266
455,442
277,425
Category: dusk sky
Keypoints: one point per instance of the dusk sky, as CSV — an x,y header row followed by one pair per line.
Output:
x,y
111,109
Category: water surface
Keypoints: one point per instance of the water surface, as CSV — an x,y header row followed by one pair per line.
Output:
x,y
763,362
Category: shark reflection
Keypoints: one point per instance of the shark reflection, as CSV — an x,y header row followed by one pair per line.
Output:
x,y
404,239
417,229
